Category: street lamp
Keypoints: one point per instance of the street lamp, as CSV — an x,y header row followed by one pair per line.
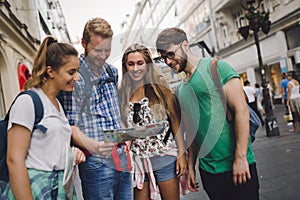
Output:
x,y
258,20
202,45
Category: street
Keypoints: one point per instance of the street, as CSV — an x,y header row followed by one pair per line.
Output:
x,y
278,162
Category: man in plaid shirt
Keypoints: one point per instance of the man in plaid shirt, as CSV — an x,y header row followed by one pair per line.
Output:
x,y
103,176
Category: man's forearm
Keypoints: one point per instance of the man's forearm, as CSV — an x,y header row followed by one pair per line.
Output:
x,y
242,131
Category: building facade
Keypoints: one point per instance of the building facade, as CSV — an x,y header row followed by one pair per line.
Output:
x,y
23,25
216,23
278,48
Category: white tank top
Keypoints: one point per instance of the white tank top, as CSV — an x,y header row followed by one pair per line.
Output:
x,y
295,90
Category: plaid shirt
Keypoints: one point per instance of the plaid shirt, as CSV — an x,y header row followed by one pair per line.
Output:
x,y
104,112
42,184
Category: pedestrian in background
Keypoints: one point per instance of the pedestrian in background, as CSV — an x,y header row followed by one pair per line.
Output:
x,y
259,98
252,99
231,174
284,91
271,94
36,160
293,99
103,176
146,99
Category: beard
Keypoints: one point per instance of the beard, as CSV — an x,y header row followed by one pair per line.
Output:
x,y
183,64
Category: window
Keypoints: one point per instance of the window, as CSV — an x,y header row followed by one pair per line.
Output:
x,y
238,18
225,31
286,1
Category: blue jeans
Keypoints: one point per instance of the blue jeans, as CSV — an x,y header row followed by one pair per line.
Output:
x,y
101,181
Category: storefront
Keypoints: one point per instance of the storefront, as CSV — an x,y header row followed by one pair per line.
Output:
x,y
292,34
274,56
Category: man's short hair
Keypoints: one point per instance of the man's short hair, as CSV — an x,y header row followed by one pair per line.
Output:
x,y
246,82
97,26
291,74
284,75
169,37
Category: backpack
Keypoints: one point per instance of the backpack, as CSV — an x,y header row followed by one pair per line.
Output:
x,y
87,87
254,120
39,113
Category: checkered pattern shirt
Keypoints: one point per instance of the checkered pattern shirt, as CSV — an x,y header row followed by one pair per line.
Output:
x,y
104,112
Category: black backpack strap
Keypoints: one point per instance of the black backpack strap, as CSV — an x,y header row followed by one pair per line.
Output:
x,y
38,109
111,78
39,113
169,119
88,84
87,88
168,133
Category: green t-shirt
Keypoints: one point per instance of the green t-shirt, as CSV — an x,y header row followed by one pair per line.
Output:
x,y
207,119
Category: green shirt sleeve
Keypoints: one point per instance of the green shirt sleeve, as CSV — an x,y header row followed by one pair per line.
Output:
x,y
226,71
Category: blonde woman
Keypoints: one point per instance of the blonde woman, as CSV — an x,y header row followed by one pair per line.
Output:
x,y
145,98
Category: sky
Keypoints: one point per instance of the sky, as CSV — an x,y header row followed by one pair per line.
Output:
x,y
77,13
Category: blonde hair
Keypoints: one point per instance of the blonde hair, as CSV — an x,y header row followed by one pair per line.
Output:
x,y
96,26
51,53
156,89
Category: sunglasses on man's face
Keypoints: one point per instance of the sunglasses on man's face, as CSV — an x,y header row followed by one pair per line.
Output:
x,y
170,54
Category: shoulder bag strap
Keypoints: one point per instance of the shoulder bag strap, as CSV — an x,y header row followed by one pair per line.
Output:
x,y
111,75
216,79
87,88
169,120
38,109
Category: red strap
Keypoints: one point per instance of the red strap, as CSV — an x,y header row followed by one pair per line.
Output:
x,y
129,166
116,157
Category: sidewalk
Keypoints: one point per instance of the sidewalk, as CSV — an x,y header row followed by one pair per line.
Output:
x,y
278,163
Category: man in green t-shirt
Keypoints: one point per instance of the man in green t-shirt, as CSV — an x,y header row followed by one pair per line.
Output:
x,y
226,160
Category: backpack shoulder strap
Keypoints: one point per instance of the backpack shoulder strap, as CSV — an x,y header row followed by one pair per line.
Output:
x,y
111,75
38,109
215,76
88,84
87,87
216,79
86,78
39,113
177,105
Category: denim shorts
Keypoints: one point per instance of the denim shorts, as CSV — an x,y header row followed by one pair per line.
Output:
x,y
164,168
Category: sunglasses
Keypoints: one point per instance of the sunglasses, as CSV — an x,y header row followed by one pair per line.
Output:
x,y
170,54
136,110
